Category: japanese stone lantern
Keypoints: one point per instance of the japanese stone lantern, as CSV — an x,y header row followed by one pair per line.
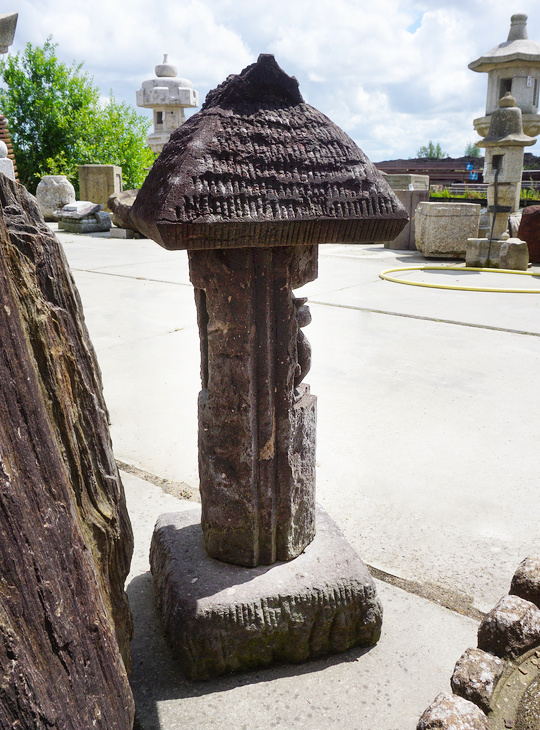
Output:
x,y
167,96
250,186
503,167
512,66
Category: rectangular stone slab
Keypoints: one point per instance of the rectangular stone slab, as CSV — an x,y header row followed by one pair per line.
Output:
x,y
224,618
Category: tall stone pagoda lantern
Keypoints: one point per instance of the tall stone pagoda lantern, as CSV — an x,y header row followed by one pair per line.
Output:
x,y
512,66
504,146
167,96
250,186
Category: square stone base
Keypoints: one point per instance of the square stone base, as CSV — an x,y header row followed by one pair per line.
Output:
x,y
224,618
510,254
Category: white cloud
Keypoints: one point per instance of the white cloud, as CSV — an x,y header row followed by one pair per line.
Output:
x,y
392,74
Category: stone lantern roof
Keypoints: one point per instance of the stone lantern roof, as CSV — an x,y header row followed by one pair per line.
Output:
x,y
512,66
517,48
257,166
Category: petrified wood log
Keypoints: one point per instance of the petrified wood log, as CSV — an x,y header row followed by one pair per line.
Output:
x,y
65,536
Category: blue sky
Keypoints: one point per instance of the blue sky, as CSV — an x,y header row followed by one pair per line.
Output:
x,y
393,74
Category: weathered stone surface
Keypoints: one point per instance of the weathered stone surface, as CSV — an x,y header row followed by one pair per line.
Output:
x,y
450,712
80,209
497,254
224,618
120,206
442,229
64,530
98,182
410,191
511,628
257,166
529,231
52,194
526,580
256,423
475,675
95,223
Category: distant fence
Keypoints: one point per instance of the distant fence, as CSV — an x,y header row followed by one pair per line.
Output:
x,y
456,175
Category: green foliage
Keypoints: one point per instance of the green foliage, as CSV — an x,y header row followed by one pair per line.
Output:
x,y
471,150
431,151
56,120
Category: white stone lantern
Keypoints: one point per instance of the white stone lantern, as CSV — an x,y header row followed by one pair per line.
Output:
x,y
167,96
513,66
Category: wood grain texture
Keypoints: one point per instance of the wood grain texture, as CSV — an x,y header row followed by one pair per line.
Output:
x,y
257,166
65,536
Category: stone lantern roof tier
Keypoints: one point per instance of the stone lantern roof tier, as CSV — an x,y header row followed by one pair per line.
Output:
x,y
517,49
257,166
167,91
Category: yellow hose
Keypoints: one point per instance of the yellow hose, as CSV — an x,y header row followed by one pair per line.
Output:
x,y
385,275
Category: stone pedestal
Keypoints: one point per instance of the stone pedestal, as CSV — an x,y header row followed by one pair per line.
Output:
x,y
223,618
98,182
442,229
410,190
510,254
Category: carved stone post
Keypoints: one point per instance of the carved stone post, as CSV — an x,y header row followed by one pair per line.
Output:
x,y
250,186
256,422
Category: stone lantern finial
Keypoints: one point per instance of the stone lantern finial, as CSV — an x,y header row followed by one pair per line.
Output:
x,y
518,28
513,66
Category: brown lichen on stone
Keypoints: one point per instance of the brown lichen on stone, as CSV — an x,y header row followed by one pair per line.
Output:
x,y
257,166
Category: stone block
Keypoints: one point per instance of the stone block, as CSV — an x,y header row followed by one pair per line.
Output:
x,y
526,580
98,182
52,194
7,168
122,232
99,222
475,676
407,181
449,712
511,628
223,618
412,190
442,229
509,254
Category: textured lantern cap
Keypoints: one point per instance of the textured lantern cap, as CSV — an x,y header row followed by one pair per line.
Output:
x,y
257,166
518,48
506,126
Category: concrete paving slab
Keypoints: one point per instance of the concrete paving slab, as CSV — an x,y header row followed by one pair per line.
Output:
x,y
426,456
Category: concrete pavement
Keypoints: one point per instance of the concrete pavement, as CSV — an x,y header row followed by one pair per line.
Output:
x,y
427,406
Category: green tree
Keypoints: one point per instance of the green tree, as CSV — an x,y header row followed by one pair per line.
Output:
x,y
431,151
471,150
56,120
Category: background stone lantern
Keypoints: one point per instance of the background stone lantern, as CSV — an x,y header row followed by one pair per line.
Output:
x,y
502,171
249,186
167,96
512,66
